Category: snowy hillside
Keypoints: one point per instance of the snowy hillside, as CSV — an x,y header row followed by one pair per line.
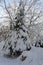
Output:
x,y
33,57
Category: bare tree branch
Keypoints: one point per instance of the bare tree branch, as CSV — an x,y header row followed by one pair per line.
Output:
x,y
7,10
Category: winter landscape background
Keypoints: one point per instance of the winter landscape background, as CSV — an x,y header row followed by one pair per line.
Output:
x,y
21,32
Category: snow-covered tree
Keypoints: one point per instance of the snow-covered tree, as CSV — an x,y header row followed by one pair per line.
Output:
x,y
18,39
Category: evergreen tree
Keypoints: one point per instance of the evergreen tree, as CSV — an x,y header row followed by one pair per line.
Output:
x,y
18,37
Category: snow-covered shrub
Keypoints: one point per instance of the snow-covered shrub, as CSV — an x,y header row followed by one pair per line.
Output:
x,y
18,37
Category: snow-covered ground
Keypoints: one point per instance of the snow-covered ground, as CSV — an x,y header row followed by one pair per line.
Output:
x,y
34,57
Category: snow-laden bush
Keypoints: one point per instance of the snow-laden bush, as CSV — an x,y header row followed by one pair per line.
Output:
x,y
18,39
